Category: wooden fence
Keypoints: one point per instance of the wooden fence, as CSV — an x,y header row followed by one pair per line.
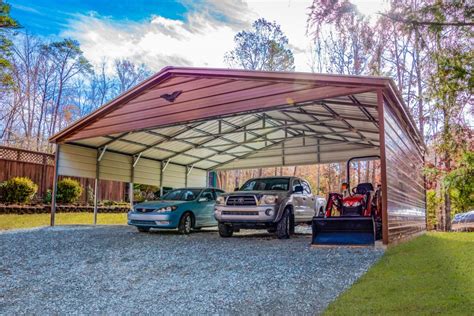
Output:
x,y
39,167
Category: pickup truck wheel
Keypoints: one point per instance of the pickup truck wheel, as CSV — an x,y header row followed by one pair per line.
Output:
x,y
292,224
283,226
185,224
225,230
143,229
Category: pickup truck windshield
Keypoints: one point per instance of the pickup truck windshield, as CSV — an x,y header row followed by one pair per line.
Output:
x,y
268,184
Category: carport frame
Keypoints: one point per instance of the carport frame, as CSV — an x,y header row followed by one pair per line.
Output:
x,y
386,95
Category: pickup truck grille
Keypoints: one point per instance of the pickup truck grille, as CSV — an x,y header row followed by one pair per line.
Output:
x,y
241,200
243,213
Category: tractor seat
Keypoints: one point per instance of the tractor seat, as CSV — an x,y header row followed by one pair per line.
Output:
x,y
364,188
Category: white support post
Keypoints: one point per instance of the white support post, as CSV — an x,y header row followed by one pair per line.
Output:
x,y
318,180
55,187
96,192
162,175
132,180
100,154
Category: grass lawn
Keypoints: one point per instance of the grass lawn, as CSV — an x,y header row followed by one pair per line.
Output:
x,y
11,221
430,275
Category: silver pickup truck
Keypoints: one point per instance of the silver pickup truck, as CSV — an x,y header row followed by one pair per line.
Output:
x,y
273,203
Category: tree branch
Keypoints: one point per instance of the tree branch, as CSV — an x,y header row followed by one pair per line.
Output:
x,y
418,22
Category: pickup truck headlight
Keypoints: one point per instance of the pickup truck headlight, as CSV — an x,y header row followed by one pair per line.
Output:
x,y
220,200
166,209
269,199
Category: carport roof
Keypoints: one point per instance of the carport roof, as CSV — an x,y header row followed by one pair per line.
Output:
x,y
223,119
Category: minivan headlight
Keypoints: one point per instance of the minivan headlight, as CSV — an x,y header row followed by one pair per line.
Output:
x,y
269,199
166,209
220,200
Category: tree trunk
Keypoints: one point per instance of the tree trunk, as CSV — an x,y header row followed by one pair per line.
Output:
x,y
421,118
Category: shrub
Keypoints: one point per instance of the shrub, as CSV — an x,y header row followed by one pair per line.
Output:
x,y
48,197
69,190
18,190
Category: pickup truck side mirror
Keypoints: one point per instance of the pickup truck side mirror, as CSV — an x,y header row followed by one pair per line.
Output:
x,y
298,189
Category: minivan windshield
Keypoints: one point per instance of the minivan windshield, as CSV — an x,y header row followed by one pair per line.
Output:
x,y
182,195
266,184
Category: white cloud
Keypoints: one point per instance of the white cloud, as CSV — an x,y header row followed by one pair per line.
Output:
x,y
200,40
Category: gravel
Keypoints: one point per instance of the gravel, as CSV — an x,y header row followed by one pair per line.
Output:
x,y
116,270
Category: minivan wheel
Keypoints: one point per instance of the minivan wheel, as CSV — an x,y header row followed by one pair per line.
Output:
x,y
143,229
185,224
225,230
283,226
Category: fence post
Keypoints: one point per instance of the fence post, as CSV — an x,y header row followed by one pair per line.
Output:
x,y
43,176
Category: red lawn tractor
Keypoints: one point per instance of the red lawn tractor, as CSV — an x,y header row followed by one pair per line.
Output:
x,y
353,217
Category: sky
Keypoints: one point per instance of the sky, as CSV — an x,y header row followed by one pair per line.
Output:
x,y
167,32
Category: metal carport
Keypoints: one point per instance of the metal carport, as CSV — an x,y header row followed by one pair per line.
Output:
x,y
173,128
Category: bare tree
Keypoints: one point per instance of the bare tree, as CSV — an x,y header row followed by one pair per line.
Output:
x,y
129,74
265,47
69,61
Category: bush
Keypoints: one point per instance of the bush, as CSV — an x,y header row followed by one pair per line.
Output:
x,y
48,197
18,190
69,190
432,204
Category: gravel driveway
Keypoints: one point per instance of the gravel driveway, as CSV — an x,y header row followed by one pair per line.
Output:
x,y
115,269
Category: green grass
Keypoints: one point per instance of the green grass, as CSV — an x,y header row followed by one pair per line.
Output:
x,y
11,221
430,275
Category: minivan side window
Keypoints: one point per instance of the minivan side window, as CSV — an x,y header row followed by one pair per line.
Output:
x,y
306,187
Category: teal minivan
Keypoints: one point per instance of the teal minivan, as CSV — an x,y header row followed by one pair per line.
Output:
x,y
185,209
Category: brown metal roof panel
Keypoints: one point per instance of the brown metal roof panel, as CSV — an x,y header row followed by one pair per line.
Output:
x,y
168,72
170,115
187,96
185,84
182,103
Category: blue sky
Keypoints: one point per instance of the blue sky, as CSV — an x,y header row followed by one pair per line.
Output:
x,y
166,32
49,17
